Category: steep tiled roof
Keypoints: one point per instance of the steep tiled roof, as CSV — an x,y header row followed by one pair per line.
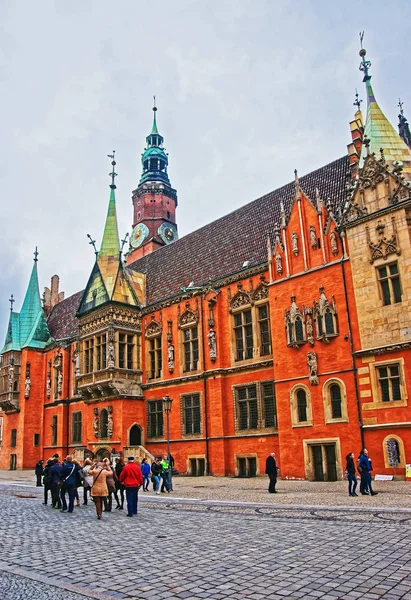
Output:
x,y
62,320
221,247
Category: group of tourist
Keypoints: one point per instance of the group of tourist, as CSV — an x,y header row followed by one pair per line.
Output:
x,y
101,481
363,465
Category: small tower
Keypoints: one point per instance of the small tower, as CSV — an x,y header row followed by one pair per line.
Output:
x,y
154,200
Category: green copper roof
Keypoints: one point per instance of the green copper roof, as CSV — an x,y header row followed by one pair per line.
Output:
x,y
154,129
29,327
382,134
110,245
154,158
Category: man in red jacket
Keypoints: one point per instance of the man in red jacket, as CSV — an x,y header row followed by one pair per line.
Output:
x,y
132,479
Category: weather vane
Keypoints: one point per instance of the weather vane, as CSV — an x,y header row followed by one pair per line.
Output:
x,y
123,243
93,243
365,64
154,107
357,101
35,255
12,301
113,174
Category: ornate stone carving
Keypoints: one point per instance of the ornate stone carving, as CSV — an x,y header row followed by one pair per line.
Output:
x,y
333,242
153,329
187,318
111,356
48,381
313,237
240,299
294,325
294,243
309,325
11,377
372,172
261,293
27,386
212,344
325,315
60,382
170,357
312,368
110,425
385,246
76,361
96,423
278,263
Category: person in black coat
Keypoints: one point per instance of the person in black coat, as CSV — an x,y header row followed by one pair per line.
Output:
x,y
46,481
351,476
271,470
39,472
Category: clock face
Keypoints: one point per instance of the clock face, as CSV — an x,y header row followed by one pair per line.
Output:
x,y
138,235
168,232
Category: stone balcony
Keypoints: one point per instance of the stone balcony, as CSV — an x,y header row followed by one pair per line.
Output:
x,y
10,402
109,383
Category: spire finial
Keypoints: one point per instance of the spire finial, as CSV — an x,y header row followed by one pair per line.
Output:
x,y
154,104
365,64
93,243
400,105
113,174
124,241
357,101
12,301
35,255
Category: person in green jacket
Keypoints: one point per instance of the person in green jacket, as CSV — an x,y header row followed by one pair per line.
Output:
x,y
165,474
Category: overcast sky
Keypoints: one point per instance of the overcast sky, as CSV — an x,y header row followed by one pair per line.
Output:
x,y
247,91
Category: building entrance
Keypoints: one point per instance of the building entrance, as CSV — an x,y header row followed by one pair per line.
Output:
x,y
13,462
324,462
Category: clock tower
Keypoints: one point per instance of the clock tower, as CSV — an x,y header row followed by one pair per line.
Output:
x,y
154,200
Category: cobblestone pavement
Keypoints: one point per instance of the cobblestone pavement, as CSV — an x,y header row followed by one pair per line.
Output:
x,y
14,587
290,492
186,549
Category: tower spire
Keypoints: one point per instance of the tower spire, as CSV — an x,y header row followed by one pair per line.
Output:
x,y
110,244
154,129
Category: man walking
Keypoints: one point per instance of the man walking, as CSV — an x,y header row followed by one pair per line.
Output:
x,y
271,471
69,478
365,467
132,480
54,478
39,472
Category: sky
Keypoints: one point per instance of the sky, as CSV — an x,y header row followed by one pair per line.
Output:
x,y
247,91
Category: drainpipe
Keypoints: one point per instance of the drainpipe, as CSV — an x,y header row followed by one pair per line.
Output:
x,y
204,383
354,367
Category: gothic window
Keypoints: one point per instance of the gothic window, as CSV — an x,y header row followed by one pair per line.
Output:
x,y
190,348
103,424
101,351
13,438
269,405
389,382
264,327
89,355
243,329
191,414
390,285
325,317
294,325
299,330
301,411
302,406
125,351
329,322
155,357
155,418
76,427
335,394
393,452
247,409
54,423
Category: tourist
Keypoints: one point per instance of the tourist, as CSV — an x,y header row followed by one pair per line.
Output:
x,y
111,487
119,486
165,474
145,471
351,476
87,481
46,482
271,470
99,491
132,479
38,470
366,467
79,481
68,482
156,473
54,479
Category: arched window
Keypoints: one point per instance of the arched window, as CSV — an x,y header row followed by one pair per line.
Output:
x,y
393,452
329,322
335,396
299,332
103,424
302,406
135,436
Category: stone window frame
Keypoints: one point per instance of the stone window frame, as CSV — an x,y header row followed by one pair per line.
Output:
x,y
154,334
246,456
155,437
77,440
260,407
294,409
183,397
327,401
402,463
195,457
376,402
189,321
308,462
241,302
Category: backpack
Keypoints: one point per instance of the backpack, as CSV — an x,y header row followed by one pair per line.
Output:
x,y
359,469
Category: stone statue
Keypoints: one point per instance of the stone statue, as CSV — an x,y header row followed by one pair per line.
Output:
x,y
96,425
309,329
110,425
11,377
60,382
294,242
48,386
111,356
27,387
212,344
170,357
278,262
333,241
313,237
76,361
312,367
